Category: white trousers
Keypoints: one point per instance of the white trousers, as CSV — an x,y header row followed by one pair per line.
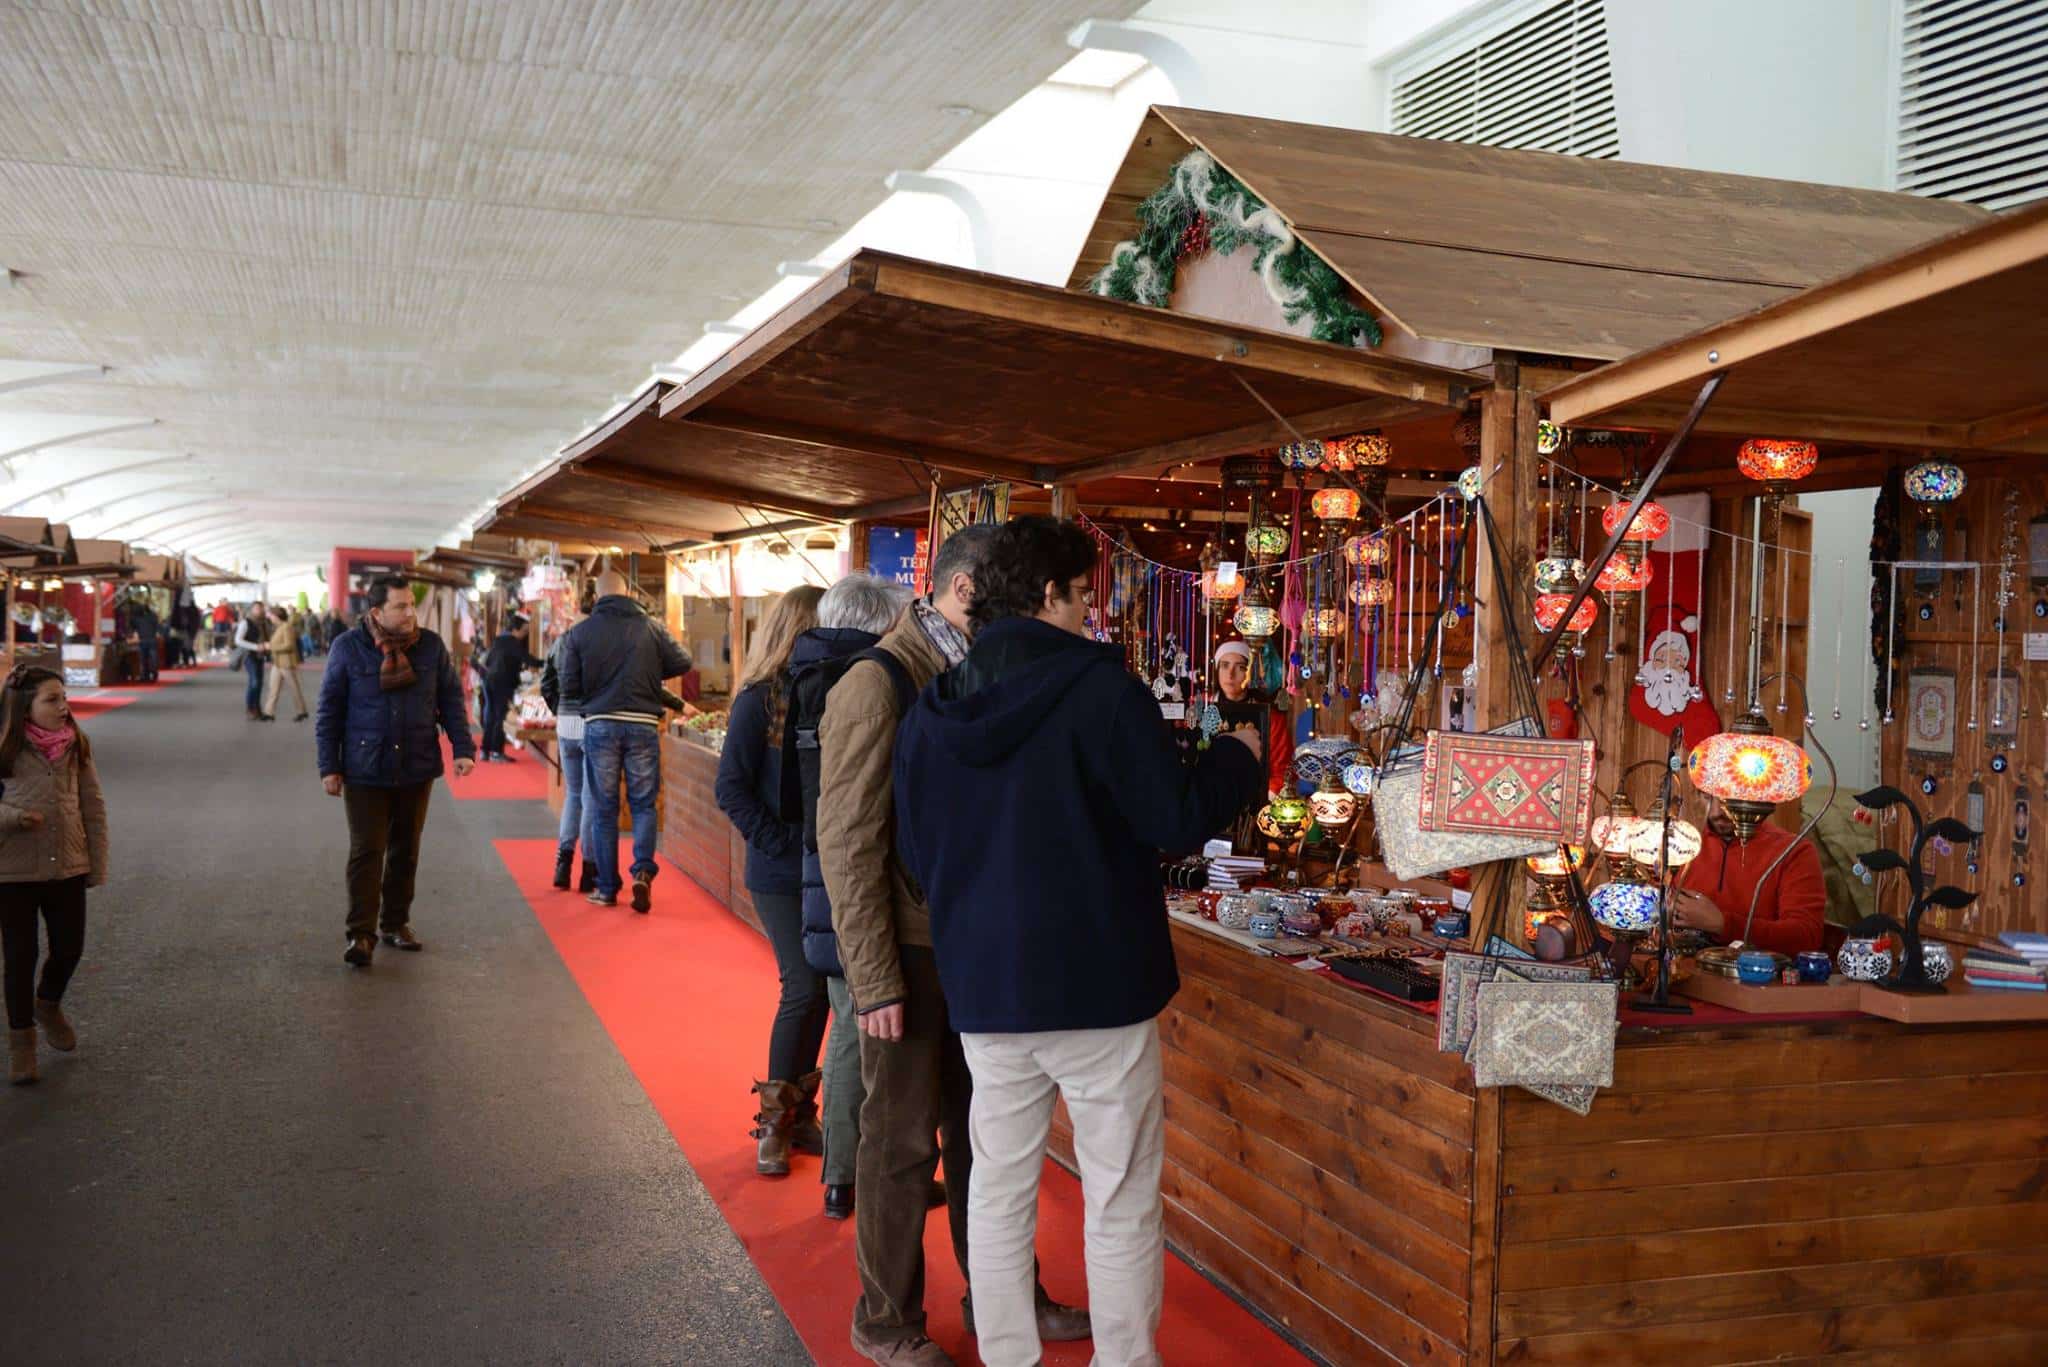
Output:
x,y
1112,1084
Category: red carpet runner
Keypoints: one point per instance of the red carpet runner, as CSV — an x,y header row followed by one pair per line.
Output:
x,y
525,777
686,993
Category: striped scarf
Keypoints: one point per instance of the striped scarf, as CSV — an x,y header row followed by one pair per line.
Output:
x,y
396,671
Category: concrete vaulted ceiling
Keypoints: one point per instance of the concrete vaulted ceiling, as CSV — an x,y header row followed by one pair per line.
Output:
x,y
370,260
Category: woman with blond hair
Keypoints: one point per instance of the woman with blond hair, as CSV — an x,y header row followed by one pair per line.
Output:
x,y
749,792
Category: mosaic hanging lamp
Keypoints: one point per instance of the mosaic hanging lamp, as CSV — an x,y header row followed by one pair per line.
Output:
x,y
1265,541
1300,456
1619,576
1255,618
1371,593
1626,905
1334,505
1615,830
1750,770
1560,571
1650,524
1660,844
1370,551
1777,463
1470,482
1550,609
1933,483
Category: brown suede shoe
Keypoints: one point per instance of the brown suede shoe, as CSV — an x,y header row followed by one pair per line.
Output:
x,y
403,938
914,1351
1056,1323
772,1126
21,1056
56,1029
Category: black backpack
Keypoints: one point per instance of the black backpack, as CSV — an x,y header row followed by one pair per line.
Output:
x,y
801,760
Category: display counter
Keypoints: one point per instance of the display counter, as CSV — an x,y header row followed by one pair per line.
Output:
x,y
695,835
1748,1188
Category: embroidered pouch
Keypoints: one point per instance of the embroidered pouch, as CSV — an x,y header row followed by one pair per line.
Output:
x,y
1412,852
1507,785
1531,1033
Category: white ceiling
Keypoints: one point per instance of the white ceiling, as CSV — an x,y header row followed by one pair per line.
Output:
x,y
371,260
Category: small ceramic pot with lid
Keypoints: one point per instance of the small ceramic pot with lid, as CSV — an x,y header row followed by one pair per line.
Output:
x,y
1234,910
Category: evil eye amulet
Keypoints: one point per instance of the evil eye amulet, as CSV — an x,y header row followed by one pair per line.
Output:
x,y
1998,764
1927,612
1927,786
2041,607
2019,880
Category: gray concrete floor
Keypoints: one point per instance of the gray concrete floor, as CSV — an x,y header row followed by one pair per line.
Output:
x,y
259,1155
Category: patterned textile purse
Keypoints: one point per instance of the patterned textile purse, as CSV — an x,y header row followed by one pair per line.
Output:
x,y
1544,1034
1416,838
1507,785
1411,851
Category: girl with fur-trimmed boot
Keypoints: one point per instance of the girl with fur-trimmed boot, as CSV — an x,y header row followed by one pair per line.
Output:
x,y
53,846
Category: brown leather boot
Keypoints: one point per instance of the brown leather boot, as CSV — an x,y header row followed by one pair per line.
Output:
x,y
805,1134
56,1029
772,1126
21,1056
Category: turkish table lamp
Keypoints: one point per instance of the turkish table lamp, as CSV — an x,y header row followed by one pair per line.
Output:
x,y
1255,618
1750,770
1551,875
1777,463
1660,842
1614,832
1627,907
1332,803
1284,817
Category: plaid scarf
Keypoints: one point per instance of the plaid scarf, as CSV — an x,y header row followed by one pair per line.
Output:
x,y
396,671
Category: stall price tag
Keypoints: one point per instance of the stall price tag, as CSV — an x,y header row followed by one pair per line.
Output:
x,y
1226,574
1173,711
2036,646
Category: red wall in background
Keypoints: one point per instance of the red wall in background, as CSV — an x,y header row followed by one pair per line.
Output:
x,y
353,560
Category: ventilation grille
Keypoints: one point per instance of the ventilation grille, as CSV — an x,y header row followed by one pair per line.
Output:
x,y
1544,85
1973,100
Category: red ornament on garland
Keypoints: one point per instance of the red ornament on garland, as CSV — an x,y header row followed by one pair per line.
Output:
x,y
1194,239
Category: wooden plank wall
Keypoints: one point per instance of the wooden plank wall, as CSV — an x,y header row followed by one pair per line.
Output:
x,y
1946,642
1319,1157
695,836
1863,1192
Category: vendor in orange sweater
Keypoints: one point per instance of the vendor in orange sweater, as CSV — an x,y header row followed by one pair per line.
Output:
x,y
1715,892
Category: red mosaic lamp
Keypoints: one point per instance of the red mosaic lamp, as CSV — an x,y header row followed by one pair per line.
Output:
x,y
1750,770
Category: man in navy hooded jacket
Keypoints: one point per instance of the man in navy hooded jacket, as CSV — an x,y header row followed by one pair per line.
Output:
x,y
1036,788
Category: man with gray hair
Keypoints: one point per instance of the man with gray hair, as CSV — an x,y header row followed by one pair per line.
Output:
x,y
911,1060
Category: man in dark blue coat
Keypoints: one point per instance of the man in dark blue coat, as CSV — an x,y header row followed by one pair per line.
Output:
x,y
388,687
1036,788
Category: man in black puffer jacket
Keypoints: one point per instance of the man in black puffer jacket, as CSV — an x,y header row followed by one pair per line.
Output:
x,y
612,666
1036,788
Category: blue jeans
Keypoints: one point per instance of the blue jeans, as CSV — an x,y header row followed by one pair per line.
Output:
x,y
575,823
613,750
252,664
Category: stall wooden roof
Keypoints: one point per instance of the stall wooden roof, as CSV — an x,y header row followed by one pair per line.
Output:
x,y
1528,251
207,575
166,570
889,372
28,541
1940,346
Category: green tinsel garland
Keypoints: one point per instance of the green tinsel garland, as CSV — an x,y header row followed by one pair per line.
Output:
x,y
1142,270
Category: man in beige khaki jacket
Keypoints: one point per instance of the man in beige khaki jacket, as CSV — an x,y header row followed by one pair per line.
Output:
x,y
918,1086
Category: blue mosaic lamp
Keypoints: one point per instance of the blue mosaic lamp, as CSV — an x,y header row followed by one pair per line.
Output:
x,y
1627,907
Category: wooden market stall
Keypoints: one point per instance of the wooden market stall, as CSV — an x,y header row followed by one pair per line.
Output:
x,y
1753,1184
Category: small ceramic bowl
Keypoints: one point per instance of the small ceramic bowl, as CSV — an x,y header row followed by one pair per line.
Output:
x,y
1234,910
1265,925
1814,966
1451,925
1354,925
1936,961
1757,967
1860,959
1205,903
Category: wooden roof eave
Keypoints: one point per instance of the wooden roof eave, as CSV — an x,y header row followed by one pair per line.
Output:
x,y
1647,388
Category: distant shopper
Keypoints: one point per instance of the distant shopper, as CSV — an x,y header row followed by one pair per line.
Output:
x,y
252,644
574,826
143,621
1036,789
388,687
502,665
223,620
852,617
613,665
749,792
53,846
284,664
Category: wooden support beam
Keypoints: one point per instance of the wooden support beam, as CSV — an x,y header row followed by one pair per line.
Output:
x,y
690,486
814,308
736,622
618,526
1234,441
1089,315
825,438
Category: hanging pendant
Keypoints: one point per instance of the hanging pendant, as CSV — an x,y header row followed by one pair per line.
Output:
x,y
2022,820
